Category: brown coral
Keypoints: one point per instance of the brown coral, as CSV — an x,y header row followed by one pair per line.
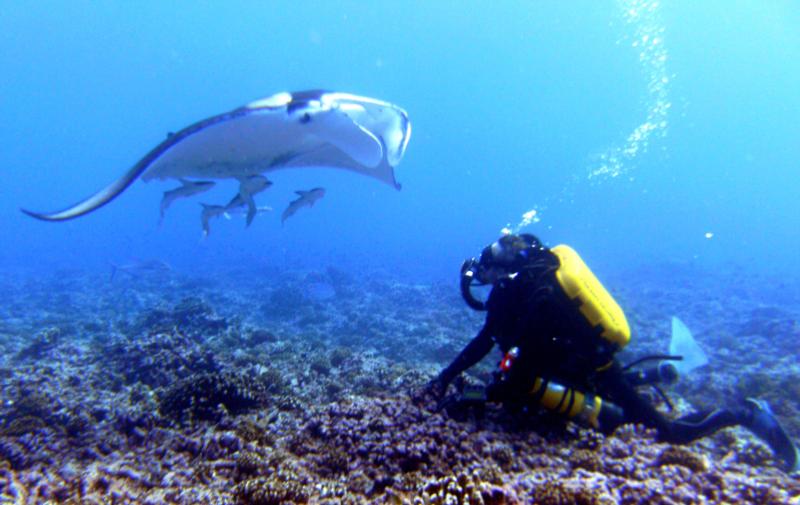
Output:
x,y
586,459
250,431
202,396
683,456
463,489
270,491
555,491
249,462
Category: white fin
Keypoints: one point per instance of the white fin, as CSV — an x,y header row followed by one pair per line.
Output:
x,y
683,344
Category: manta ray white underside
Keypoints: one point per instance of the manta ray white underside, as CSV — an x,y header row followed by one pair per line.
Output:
x,y
286,130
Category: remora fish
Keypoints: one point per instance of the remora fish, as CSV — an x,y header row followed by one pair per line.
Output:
x,y
286,130
185,190
141,267
307,199
249,186
210,211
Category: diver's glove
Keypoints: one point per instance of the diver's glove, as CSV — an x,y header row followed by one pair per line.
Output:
x,y
432,392
470,400
763,423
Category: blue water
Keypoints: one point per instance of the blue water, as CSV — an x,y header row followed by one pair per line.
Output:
x,y
514,107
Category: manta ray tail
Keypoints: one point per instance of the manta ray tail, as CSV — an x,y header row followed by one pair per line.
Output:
x,y
98,199
114,189
95,201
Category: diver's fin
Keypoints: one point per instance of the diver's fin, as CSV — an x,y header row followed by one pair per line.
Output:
x,y
765,425
683,344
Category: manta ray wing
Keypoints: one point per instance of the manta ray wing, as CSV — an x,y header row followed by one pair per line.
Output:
x,y
328,155
389,122
240,147
114,189
339,129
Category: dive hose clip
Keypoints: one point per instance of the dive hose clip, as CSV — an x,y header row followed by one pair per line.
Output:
x,y
508,360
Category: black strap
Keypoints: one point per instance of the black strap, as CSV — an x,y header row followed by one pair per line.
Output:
x,y
652,357
563,397
571,400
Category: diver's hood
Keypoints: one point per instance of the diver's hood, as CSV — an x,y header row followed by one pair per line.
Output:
x,y
501,259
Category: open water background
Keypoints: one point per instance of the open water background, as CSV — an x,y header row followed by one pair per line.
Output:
x,y
513,104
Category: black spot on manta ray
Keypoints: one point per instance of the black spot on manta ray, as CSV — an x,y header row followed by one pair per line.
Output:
x,y
294,106
301,99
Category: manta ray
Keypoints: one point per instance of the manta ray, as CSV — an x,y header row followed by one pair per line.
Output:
x,y
286,130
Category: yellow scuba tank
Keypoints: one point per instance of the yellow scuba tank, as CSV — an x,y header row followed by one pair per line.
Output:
x,y
579,406
594,302
567,401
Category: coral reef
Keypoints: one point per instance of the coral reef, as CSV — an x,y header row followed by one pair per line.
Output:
x,y
132,394
192,315
209,396
158,359
41,343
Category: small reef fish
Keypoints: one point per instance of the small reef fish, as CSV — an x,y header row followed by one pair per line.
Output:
x,y
307,199
287,130
137,268
210,211
185,190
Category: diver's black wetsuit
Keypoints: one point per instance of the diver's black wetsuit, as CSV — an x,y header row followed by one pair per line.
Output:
x,y
556,343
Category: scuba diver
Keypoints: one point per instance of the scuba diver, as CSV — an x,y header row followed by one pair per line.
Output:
x,y
559,330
